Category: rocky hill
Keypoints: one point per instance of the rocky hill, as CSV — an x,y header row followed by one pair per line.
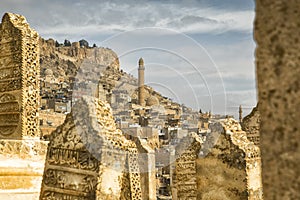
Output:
x,y
71,70
64,61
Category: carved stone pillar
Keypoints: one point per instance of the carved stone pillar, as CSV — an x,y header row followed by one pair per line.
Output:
x,y
89,158
185,179
22,154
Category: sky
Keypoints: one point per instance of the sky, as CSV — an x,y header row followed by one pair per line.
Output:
x,y
197,52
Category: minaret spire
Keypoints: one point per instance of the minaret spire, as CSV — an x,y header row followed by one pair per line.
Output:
x,y
141,82
240,114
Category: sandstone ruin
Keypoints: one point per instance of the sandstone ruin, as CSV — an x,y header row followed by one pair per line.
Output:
x,y
88,158
230,170
250,124
185,181
22,153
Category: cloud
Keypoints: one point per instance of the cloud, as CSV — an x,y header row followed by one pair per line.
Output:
x,y
107,17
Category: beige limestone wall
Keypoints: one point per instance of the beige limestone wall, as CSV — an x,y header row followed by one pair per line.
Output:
x,y
221,174
277,30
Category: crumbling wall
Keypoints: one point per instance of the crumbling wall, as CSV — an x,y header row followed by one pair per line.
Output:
x,y
185,176
22,153
252,156
251,124
225,166
276,32
222,168
123,147
88,158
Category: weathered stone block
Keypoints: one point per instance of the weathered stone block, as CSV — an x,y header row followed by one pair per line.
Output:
x,y
22,154
19,79
277,30
88,158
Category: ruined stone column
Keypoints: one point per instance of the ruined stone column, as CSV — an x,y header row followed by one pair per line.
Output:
x,y
22,153
277,30
89,158
185,179
146,160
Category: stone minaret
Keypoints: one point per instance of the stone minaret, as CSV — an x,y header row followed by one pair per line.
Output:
x,y
141,81
240,114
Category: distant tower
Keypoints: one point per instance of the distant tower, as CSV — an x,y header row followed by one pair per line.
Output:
x,y
141,82
240,113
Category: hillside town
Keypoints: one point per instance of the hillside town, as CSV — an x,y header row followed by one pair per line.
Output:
x,y
138,110
75,126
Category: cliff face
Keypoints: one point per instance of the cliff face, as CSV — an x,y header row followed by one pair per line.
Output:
x,y
64,61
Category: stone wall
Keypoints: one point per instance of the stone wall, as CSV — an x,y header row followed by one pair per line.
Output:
x,y
185,176
225,166
277,30
251,124
88,158
251,155
22,154
222,169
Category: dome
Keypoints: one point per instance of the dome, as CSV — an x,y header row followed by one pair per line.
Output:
x,y
141,62
48,72
151,101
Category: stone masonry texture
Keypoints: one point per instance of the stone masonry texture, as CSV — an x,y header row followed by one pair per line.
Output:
x,y
277,30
